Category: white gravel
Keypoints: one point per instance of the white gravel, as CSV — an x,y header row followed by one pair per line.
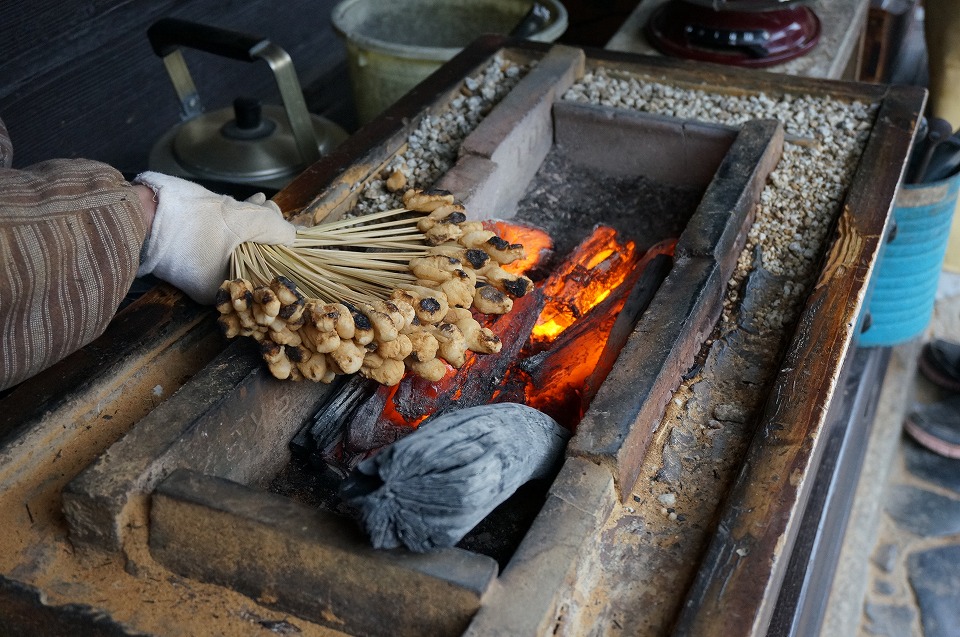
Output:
x,y
432,148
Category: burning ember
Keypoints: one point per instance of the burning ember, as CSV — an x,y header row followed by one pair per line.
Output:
x,y
598,266
555,344
567,358
536,243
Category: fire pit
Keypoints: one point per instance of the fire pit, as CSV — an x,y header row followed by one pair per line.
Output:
x,y
195,487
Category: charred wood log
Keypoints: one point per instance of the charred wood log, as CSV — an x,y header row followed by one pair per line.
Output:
x,y
654,272
317,439
574,366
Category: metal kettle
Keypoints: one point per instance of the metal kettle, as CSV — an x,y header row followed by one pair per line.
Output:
x,y
262,146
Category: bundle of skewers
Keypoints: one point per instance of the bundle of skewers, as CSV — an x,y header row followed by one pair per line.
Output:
x,y
376,295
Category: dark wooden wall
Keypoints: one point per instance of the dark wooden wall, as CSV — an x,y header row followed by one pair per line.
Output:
x,y
78,77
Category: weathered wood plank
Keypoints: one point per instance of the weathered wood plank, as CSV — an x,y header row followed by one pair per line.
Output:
x,y
135,335
149,350
724,79
736,588
231,420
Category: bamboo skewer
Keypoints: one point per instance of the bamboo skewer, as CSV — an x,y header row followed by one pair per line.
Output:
x,y
343,223
378,252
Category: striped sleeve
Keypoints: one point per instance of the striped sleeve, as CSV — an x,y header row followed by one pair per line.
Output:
x,y
70,237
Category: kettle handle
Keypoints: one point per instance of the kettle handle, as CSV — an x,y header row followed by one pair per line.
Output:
x,y
166,37
168,34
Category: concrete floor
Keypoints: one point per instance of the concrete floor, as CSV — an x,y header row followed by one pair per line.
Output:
x,y
899,570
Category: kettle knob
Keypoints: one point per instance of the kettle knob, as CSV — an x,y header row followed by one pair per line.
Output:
x,y
168,34
248,121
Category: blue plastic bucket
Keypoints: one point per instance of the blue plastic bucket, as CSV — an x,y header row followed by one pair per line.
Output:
x,y
904,284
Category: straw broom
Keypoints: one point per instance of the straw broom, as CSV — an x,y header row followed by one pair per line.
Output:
x,y
378,294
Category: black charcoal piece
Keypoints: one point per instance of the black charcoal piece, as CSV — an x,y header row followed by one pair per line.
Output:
x,y
429,489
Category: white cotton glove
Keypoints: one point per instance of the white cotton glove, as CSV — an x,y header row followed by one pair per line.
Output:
x,y
195,231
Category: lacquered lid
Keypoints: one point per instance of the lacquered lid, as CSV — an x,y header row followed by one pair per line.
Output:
x,y
751,33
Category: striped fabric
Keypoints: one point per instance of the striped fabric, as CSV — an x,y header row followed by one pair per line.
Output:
x,y
70,239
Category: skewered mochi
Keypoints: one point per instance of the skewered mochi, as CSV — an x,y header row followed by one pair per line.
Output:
x,y
442,232
423,346
229,325
436,267
399,348
445,214
348,356
459,291
277,360
390,372
315,368
453,346
385,320
473,257
489,300
477,239
430,306
479,339
266,305
516,285
426,200
421,322
432,369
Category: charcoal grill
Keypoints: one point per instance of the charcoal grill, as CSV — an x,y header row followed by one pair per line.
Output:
x,y
135,474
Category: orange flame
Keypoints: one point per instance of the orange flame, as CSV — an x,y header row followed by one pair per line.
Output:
x,y
597,267
537,244
587,278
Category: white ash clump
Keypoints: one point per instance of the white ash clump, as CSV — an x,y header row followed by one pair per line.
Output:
x,y
804,192
433,147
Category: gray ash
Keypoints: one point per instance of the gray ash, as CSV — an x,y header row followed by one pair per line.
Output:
x,y
568,200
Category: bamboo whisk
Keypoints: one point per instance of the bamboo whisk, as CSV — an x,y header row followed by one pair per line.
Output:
x,y
378,294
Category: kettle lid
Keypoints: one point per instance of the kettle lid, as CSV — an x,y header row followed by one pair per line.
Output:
x,y
248,142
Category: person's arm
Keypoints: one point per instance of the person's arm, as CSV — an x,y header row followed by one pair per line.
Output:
x,y
74,235
71,232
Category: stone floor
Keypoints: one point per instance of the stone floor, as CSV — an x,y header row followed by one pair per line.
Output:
x,y
899,573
